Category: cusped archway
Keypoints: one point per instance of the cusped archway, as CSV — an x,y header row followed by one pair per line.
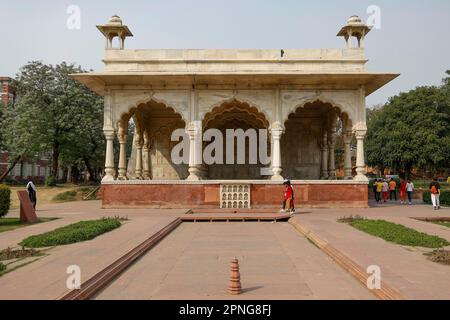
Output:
x,y
234,114
150,156
313,133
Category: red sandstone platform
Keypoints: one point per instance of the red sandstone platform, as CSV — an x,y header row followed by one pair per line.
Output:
x,y
264,194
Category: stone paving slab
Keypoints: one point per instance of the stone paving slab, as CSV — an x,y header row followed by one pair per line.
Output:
x,y
404,268
46,278
276,262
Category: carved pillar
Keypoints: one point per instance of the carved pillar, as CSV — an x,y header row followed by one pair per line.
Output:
x,y
139,144
194,131
347,155
276,131
122,136
324,160
109,157
360,163
331,146
146,157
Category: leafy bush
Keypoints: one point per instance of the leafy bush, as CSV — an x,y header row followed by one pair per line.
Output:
x,y
2,267
350,218
399,234
440,256
5,199
76,232
66,196
444,198
50,181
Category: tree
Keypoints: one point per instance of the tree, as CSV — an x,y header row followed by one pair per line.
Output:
x,y
411,130
54,115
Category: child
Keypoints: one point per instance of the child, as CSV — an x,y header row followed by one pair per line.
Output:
x,y
288,200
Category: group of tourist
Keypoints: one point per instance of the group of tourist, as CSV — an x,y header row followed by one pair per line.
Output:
x,y
383,188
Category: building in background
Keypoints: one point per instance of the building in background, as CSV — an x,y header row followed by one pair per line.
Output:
x,y
6,93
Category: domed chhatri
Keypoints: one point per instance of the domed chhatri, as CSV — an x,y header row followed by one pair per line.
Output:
x,y
115,28
355,27
115,20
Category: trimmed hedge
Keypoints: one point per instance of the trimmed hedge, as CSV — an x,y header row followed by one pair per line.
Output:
x,y
76,232
444,198
5,199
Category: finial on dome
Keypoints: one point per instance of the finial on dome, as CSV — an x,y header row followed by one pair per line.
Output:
x,y
115,20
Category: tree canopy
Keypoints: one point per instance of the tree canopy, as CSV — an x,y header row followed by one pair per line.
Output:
x,y
54,115
412,130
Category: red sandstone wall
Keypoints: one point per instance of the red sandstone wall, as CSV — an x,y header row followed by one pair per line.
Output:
x,y
207,196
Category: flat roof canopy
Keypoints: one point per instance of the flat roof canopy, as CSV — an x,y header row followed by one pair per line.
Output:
x,y
98,81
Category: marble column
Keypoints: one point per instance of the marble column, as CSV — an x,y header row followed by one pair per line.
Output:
x,y
109,157
195,150
347,155
146,162
122,136
360,163
324,161
139,144
146,158
276,131
331,158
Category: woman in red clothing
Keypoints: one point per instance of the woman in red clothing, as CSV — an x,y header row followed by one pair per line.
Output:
x,y
288,200
403,191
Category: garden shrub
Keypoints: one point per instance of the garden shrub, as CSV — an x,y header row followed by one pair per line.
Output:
x,y
76,232
50,181
5,199
66,196
2,267
444,198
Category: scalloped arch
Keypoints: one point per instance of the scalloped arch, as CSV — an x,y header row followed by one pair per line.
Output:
x,y
344,114
151,98
230,104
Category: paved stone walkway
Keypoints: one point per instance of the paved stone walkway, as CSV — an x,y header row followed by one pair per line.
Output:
x,y
46,278
406,269
276,262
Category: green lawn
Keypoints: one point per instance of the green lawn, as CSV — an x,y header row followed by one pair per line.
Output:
x,y
398,233
7,224
76,232
443,223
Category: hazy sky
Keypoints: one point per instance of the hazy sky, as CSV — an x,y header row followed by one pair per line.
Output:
x,y
413,39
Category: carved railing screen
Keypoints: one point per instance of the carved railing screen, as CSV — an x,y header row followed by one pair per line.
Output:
x,y
235,196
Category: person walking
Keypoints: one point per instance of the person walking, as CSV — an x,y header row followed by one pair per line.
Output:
x,y
435,189
379,190
374,189
410,190
32,193
385,190
287,199
392,192
403,191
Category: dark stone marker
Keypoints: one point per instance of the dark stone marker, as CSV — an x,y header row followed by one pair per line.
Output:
x,y
27,213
